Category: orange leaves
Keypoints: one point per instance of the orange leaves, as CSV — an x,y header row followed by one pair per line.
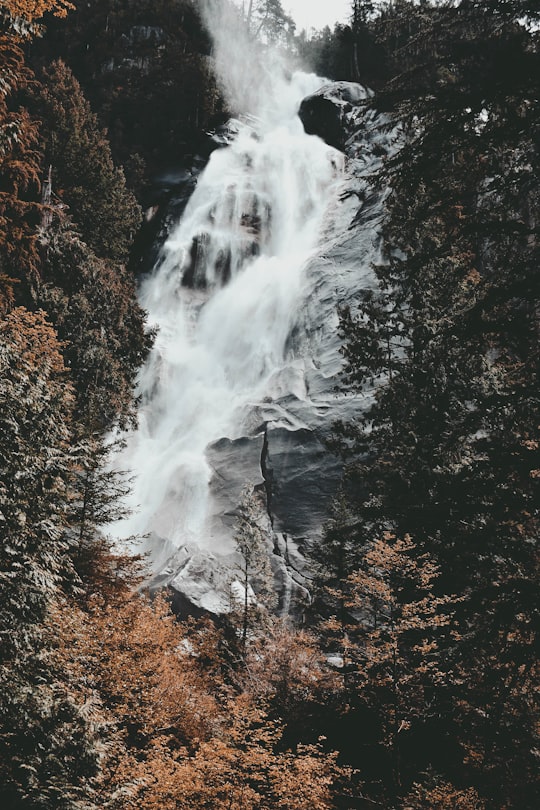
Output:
x,y
390,644
389,570
33,10
442,796
285,667
34,343
19,165
172,745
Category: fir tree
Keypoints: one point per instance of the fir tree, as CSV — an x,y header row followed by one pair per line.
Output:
x,y
448,450
84,174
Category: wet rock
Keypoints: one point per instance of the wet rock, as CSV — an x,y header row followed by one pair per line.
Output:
x,y
330,113
304,476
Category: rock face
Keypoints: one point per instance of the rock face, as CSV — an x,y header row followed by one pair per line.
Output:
x,y
331,113
280,443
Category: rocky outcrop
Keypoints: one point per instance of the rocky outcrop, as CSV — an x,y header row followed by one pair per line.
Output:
x,y
332,112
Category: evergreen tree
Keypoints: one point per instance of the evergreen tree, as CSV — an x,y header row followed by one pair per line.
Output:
x,y
36,407
448,450
47,748
336,559
93,306
83,171
145,68
267,19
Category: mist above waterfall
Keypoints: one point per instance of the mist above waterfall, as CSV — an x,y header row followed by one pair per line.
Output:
x,y
254,77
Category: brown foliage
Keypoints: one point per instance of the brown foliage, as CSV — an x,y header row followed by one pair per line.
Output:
x,y
32,10
285,668
442,796
172,745
239,769
19,174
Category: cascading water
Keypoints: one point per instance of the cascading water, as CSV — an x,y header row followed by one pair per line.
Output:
x,y
240,386
225,297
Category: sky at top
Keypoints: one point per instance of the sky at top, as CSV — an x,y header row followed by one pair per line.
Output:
x,y
309,14
317,13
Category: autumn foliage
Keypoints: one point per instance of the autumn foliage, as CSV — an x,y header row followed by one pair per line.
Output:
x,y
31,10
174,739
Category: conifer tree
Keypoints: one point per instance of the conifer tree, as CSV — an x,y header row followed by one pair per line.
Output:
x,y
94,308
84,174
336,559
449,449
47,751
36,406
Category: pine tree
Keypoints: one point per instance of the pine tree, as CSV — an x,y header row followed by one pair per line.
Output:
x,y
84,174
47,748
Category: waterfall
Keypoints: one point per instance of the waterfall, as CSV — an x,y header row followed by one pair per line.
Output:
x,y
240,387
228,292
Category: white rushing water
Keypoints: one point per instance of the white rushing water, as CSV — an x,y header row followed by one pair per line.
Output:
x,y
225,295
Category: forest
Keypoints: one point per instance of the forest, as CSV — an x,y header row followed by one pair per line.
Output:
x,y
413,682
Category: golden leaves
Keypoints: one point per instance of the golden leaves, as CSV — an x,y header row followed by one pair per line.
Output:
x,y
33,10
179,740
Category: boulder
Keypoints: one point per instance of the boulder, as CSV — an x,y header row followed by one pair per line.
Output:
x,y
330,113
